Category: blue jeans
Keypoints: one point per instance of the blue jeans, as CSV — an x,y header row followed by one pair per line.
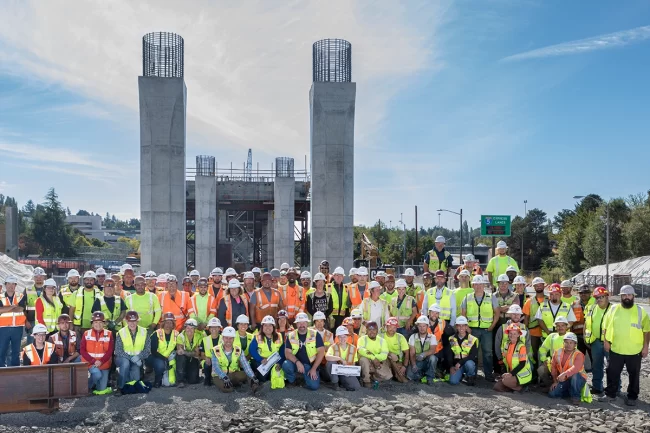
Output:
x,y
10,337
569,388
158,366
485,343
598,356
98,378
469,369
290,375
128,371
426,367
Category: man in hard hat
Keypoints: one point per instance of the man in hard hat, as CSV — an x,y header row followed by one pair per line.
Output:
x,y
515,315
567,296
438,259
292,294
373,356
482,312
249,285
380,277
553,342
471,265
202,305
359,291
412,289
229,365
567,369
441,296
584,300
128,278
464,288
374,308
209,342
146,304
499,263
258,277
82,309
132,347
66,340
345,353
593,337
626,330
531,307
404,308
340,298
276,275
112,306
13,306
422,348
356,316
519,288
389,289
163,351
304,353
68,291
398,350
150,281
96,349
511,272
324,269
465,349
551,308
216,286
33,293
175,301
194,276
353,275
100,273
427,284
163,280
266,302
305,283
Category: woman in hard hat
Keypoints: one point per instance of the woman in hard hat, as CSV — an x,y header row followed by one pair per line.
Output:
x,y
233,304
163,351
244,337
465,349
268,342
515,358
40,352
342,353
353,338
228,361
519,286
208,343
319,300
501,339
96,349
48,306
188,354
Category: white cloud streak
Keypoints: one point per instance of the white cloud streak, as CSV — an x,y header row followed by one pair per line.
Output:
x,y
610,40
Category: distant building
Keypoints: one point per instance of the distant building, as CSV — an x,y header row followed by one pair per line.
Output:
x,y
90,226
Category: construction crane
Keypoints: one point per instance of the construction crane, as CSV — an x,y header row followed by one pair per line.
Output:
x,y
249,166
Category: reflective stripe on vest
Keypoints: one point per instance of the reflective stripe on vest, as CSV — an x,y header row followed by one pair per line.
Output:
x,y
207,344
405,310
58,343
534,306
263,345
262,305
310,343
464,348
224,364
117,308
589,335
367,307
181,316
349,358
291,307
227,302
479,316
80,304
32,354
131,298
339,305
12,319
433,259
636,336
363,343
165,348
548,317
444,302
569,362
202,315
525,375
51,313
131,347
98,347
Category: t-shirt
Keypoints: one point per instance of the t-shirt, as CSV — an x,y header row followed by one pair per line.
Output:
x,y
571,317
416,339
597,321
88,302
302,352
619,321
536,331
498,266
396,344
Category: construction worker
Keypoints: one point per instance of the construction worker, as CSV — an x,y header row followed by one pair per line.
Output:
x,y
266,302
176,302
249,285
515,358
82,309
464,288
412,289
516,316
194,277
441,295
150,281
427,284
304,353
340,298
567,292
626,331
33,293
163,351
553,342
132,347
531,307
48,306
584,299
188,354
100,273
216,286
228,361
233,304
275,278
566,287
398,350
505,297
442,331
470,264
209,341
318,299
161,283
258,276
353,275
356,316
499,263
265,344
465,349
593,337
202,305
551,308
113,307
40,352
438,259
373,354
319,321
68,291
519,288
244,337
96,349
353,338
359,291
117,279
305,283
146,304
390,293
344,353
422,349
404,308
128,278
284,327
380,277
324,268
511,273
292,296
374,308
569,376
482,312
66,343
13,307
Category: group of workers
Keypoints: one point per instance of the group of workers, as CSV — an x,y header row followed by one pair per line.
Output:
x,y
289,328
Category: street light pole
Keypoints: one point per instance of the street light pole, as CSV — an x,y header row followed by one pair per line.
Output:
x,y
461,228
522,236
401,220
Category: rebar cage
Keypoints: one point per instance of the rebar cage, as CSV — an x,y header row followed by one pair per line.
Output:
x,y
162,55
284,167
332,60
205,165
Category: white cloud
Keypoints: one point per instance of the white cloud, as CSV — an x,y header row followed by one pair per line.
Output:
x,y
610,40
86,109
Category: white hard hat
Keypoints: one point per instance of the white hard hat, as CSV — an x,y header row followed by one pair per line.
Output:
x,y
217,271
234,284
423,320
486,279
511,269
409,272
150,275
464,273
461,320
514,309
194,273
519,280
71,273
566,283
440,239
230,271
470,258
249,274
11,279
89,274
162,278
362,271
400,283
502,244
39,329
307,274
353,271
126,267
571,336
242,318
503,278
538,280
50,282
435,308
374,284
301,317
319,315
191,322
339,271
284,266
381,274
229,331
214,322
319,277
478,279
38,271
627,290
256,270
172,278
530,290
268,320
356,314
342,330
100,271
561,319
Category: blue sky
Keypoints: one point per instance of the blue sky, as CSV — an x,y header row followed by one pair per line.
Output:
x,y
472,105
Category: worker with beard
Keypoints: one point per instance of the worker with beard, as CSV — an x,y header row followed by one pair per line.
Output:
x,y
101,277
82,309
216,286
626,331
33,293
294,301
530,311
128,279
69,290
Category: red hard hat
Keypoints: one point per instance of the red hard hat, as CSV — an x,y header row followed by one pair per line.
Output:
x,y
440,273
600,291
555,288
98,316
132,316
64,318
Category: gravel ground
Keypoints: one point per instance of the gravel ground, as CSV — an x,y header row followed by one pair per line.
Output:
x,y
392,408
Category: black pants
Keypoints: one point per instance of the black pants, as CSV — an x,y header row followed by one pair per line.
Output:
x,y
207,374
187,369
616,363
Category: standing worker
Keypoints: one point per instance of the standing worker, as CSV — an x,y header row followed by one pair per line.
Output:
x,y
233,304
552,308
359,291
443,297
318,299
202,305
340,299
530,309
175,301
112,306
48,306
404,308
68,291
438,259
499,263
145,304
33,293
266,302
585,300
82,310
464,288
593,337
374,308
470,265
294,301
13,307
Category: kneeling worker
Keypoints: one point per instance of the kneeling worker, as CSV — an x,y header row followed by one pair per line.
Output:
x,y
131,347
163,351
422,347
97,350
373,354
342,353
304,352
568,371
465,348
515,359
40,352
228,361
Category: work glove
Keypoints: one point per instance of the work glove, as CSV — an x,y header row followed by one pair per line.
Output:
x,y
420,357
227,383
172,356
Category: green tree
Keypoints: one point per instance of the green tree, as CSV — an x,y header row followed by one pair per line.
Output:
x,y
83,212
594,239
50,230
637,232
29,208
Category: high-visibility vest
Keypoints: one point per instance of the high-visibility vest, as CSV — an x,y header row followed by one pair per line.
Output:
x,y
293,300
58,343
352,339
97,346
225,365
179,311
512,360
310,343
190,345
444,303
505,301
166,348
460,294
82,312
438,331
327,336
51,313
366,307
405,310
238,343
355,294
339,308
534,306
413,290
131,347
263,347
376,347
136,302
421,348
68,295
208,312
111,316
580,312
549,318
207,344
349,357
632,341
264,307
553,342
389,296
227,300
32,296
504,334
32,354
462,350
435,264
13,318
479,316
594,310
569,362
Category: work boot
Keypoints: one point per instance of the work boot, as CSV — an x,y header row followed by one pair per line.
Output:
x,y
471,380
575,401
367,384
157,384
255,386
629,401
606,399
181,385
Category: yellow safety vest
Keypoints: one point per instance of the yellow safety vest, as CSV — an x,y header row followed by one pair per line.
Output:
x,y
131,347
479,316
51,313
552,343
111,315
504,334
237,342
372,349
444,303
349,358
365,305
405,310
630,342
263,347
549,318
207,343
435,264
463,348
165,348
225,365
310,343
68,295
335,299
82,312
591,311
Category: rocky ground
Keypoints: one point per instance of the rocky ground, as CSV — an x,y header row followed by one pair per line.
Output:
x,y
391,408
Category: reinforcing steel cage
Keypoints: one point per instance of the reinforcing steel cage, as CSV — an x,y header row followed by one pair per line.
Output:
x,y
332,61
163,55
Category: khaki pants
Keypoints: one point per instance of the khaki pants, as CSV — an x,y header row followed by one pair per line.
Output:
x,y
237,378
370,373
395,367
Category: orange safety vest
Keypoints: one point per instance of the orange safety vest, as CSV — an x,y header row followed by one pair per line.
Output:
x,y
294,302
355,295
58,343
228,302
438,331
349,359
97,346
569,362
12,319
179,311
354,339
264,308
419,298
32,354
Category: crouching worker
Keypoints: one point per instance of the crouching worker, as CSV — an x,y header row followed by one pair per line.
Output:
x,y
131,347
40,352
209,341
97,350
163,352
515,359
265,344
342,353
228,361
373,356
422,347
304,352
568,371
465,348
65,341
188,351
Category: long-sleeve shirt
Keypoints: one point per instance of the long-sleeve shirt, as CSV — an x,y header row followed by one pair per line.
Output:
x,y
471,356
452,300
254,352
578,363
319,303
373,349
154,344
119,347
243,363
89,359
237,306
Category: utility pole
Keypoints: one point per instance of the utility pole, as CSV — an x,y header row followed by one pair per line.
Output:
x,y
401,220
522,235
607,247
416,233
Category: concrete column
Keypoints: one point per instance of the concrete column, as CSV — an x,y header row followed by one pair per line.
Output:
x,y
223,223
284,192
206,224
163,104
332,108
270,241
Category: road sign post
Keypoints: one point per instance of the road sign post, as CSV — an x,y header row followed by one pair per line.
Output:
x,y
495,225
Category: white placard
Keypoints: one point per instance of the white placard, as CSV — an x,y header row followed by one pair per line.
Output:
x,y
271,361
346,370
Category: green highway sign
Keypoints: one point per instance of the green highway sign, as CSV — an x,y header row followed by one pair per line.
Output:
x,y
495,225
